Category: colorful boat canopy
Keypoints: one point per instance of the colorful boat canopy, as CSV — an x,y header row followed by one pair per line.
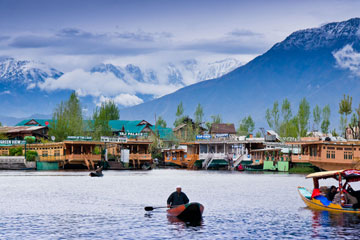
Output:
x,y
352,175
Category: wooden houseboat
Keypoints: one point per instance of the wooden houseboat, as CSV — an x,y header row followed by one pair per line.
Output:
x,y
329,155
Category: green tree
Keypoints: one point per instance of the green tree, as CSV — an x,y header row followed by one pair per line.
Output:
x,y
160,122
345,109
258,134
354,123
67,119
317,116
0,124
303,117
199,114
326,119
285,124
273,116
246,126
101,117
179,115
216,118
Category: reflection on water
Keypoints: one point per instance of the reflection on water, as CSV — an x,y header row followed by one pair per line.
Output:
x,y
338,224
238,205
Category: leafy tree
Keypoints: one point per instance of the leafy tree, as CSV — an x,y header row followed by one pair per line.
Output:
x,y
246,126
285,124
31,155
317,116
258,134
216,118
345,109
16,151
160,122
273,116
0,124
199,114
179,115
354,123
101,117
67,119
334,133
303,117
326,119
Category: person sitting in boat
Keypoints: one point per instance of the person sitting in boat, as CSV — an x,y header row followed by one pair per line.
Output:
x,y
331,194
177,198
99,169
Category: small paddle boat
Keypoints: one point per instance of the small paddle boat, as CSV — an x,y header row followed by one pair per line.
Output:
x,y
190,212
316,200
96,174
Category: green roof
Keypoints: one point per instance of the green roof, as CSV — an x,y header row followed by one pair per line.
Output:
x,y
39,121
115,125
164,133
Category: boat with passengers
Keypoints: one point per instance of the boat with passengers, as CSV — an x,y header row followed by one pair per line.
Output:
x,y
345,198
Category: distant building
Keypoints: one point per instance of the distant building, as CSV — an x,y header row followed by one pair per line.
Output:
x,y
20,132
130,129
222,128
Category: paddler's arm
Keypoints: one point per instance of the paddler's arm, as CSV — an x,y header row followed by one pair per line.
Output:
x,y
170,200
186,199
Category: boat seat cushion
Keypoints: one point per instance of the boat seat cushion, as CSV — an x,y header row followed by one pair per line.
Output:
x,y
323,200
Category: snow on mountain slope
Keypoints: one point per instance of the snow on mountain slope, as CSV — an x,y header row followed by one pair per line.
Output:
x,y
26,73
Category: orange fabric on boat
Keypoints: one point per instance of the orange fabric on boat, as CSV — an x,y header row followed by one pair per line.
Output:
x,y
316,192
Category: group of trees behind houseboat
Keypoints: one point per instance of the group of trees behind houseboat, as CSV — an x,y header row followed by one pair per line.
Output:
x,y
288,125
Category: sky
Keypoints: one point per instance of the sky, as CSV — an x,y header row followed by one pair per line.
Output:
x,y
74,36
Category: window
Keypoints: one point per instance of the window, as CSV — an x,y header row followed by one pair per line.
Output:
x,y
348,155
328,154
333,154
44,153
339,148
57,153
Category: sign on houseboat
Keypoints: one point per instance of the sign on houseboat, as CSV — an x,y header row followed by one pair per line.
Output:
x,y
222,135
133,134
79,138
12,142
205,136
113,139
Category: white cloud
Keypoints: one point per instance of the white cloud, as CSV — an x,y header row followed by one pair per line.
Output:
x,y
123,99
348,58
107,84
31,86
5,92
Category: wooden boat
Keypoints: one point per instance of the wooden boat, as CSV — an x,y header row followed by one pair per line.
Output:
x,y
190,212
319,202
96,174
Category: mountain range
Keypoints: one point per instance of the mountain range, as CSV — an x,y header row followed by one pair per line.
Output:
x,y
320,64
22,92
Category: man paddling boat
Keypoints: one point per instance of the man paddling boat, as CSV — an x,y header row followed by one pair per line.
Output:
x,y
177,198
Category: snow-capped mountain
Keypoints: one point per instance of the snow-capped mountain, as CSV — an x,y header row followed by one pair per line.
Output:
x,y
26,73
185,72
329,35
320,64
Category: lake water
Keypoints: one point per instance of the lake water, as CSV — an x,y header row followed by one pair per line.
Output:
x,y
238,205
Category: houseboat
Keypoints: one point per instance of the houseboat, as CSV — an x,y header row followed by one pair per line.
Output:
x,y
329,155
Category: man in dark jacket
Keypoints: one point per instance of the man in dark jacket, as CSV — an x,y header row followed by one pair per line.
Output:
x,y
177,198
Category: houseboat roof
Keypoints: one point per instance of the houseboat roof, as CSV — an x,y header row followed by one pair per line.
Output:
x,y
312,142
218,128
351,175
23,129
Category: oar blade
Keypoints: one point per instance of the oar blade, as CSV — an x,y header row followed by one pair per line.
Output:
x,y
149,208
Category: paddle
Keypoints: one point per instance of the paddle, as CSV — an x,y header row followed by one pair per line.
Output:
x,y
149,208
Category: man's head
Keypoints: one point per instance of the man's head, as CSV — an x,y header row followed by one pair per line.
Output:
x,y
332,189
178,189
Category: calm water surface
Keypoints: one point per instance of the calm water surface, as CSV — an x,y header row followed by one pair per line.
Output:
x,y
238,205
